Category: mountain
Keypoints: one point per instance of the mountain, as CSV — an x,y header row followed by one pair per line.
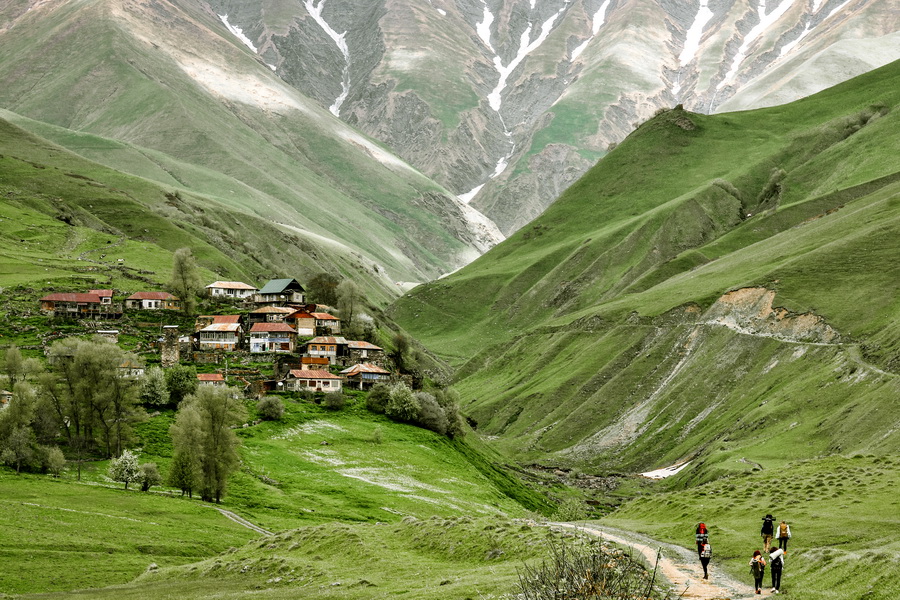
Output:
x,y
720,288
162,90
508,102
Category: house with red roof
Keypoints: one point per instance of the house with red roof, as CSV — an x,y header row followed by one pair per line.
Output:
x,y
326,347
272,337
362,352
74,304
316,381
213,379
327,324
152,301
106,296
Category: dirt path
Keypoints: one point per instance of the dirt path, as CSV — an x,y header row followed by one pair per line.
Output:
x,y
683,572
242,521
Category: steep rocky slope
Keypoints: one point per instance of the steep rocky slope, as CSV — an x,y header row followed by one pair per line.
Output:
x,y
507,102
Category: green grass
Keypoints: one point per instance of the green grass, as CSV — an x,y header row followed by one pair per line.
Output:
x,y
843,514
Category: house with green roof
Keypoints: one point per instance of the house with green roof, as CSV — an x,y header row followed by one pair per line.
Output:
x,y
278,292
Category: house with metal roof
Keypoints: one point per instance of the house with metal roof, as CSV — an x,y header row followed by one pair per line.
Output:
x,y
272,337
230,289
220,336
71,304
363,352
213,379
280,292
365,375
316,381
326,347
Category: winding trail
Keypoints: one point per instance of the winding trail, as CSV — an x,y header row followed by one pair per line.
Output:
x,y
683,572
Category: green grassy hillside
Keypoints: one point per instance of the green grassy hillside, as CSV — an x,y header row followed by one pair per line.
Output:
x,y
113,89
596,337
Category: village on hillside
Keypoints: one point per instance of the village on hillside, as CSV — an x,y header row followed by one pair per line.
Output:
x,y
274,324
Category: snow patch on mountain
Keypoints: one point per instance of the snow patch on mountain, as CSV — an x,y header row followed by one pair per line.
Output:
x,y
238,33
483,29
597,22
692,40
765,22
314,8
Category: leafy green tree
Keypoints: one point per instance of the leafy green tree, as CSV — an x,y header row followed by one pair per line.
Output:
x,y
13,365
187,439
377,399
270,408
149,476
18,448
185,282
54,460
154,390
216,410
181,382
431,415
402,404
125,468
449,401
334,401
322,288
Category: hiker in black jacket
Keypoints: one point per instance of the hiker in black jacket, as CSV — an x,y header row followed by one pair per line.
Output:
x,y
767,531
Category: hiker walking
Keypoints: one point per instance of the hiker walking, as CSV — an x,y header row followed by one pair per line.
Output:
x,y
767,531
784,534
705,556
757,569
702,537
776,565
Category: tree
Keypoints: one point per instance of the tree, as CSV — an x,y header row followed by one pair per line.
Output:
x,y
449,401
217,446
402,405
334,400
431,415
18,448
13,365
348,303
378,398
149,476
187,439
185,282
54,460
154,390
125,468
322,288
270,408
181,382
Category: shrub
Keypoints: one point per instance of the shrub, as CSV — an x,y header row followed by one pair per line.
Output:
x,y
54,461
582,571
431,415
378,398
270,408
377,436
571,509
334,401
402,404
125,468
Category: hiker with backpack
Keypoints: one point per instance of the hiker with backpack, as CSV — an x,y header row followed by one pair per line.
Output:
x,y
784,534
767,531
757,569
705,556
776,565
702,535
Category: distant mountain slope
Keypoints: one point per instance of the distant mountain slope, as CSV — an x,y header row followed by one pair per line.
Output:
x,y
507,102
70,224
639,320
198,110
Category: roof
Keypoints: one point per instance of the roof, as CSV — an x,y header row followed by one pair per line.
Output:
x,y
69,297
274,310
257,327
360,345
151,296
311,374
322,339
222,327
300,314
324,316
210,377
277,286
226,318
231,285
365,368
102,293
130,364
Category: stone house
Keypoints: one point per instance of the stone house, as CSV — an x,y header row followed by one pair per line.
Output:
x,y
365,375
220,336
280,292
269,314
213,379
327,324
327,347
75,304
363,352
